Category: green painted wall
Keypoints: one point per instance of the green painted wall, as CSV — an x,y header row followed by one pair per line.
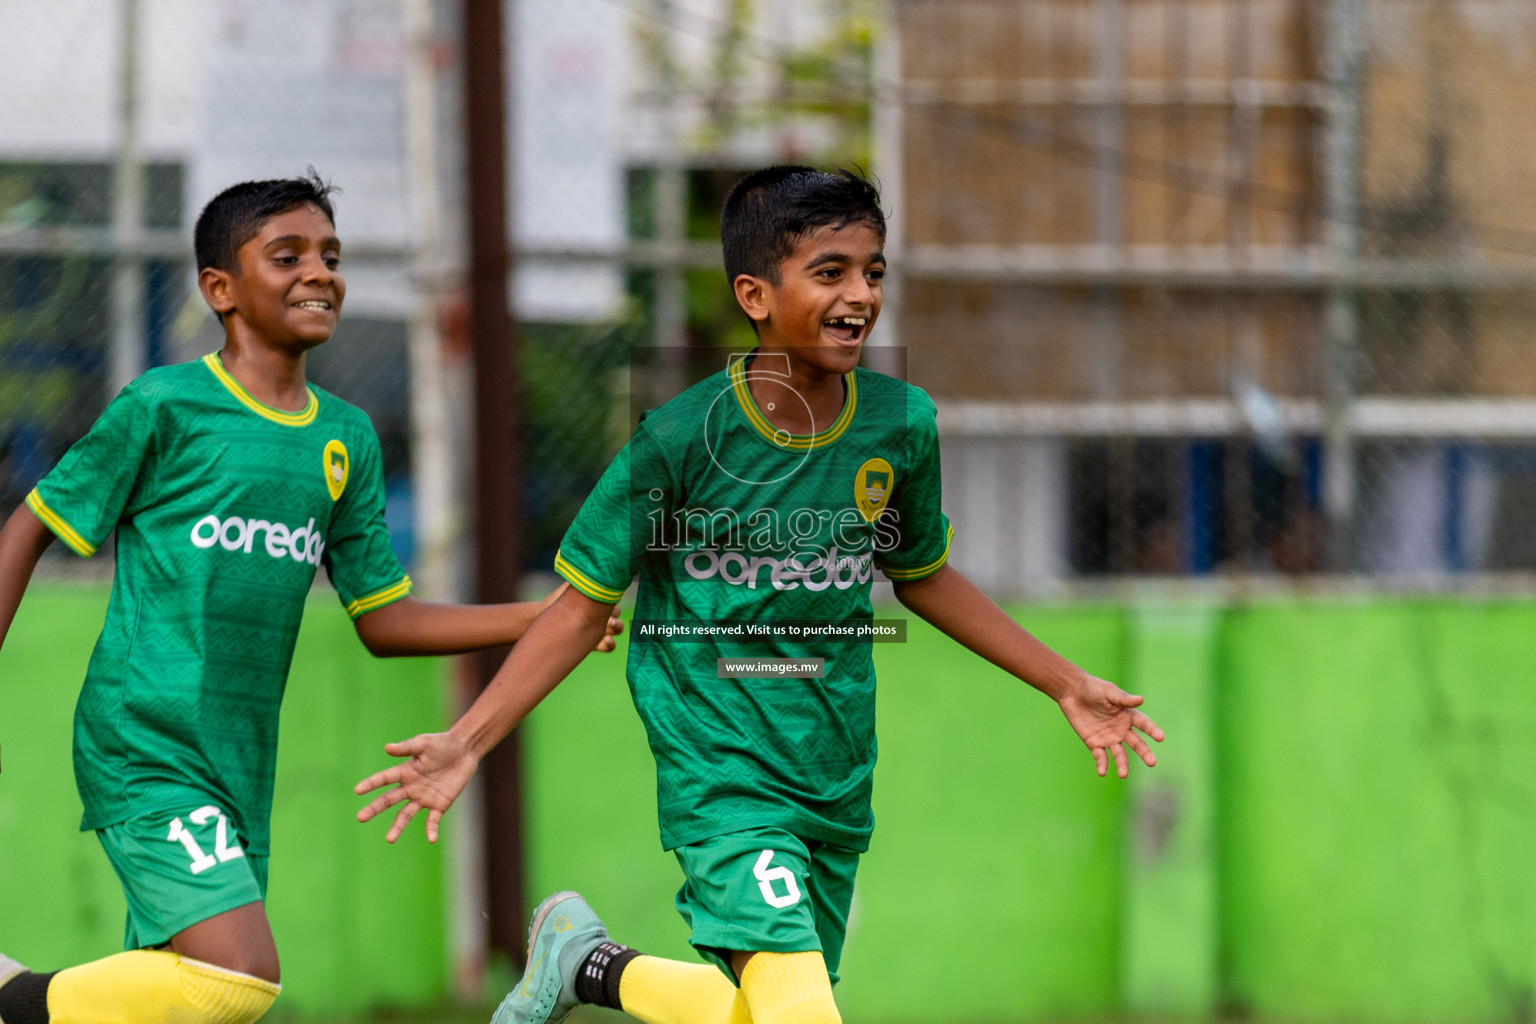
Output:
x,y
1341,827
1378,815
1168,962
359,923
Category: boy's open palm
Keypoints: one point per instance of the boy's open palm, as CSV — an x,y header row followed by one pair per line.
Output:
x,y
1105,718
439,768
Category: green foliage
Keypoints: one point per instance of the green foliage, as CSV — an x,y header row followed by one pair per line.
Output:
x,y
713,316
833,80
573,378
827,83
45,301
640,202
727,66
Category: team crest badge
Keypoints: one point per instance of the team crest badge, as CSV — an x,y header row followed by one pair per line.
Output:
x,y
872,487
337,467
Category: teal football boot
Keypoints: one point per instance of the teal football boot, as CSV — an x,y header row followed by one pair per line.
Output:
x,y
563,933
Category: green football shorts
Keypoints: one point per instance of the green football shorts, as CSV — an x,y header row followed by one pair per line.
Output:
x,y
764,890
178,869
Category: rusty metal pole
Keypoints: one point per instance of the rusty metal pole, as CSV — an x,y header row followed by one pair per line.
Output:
x,y
497,461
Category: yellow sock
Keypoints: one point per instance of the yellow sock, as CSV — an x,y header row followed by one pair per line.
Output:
x,y
789,988
153,985
671,992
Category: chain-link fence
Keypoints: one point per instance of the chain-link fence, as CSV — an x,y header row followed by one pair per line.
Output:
x,y
1264,271
1202,287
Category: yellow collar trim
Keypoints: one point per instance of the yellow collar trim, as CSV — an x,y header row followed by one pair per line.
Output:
x,y
796,442
302,418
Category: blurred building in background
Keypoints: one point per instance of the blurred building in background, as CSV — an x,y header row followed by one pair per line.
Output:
x,y
1204,288
1223,285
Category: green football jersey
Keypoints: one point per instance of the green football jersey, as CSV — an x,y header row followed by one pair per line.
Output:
x,y
725,518
224,508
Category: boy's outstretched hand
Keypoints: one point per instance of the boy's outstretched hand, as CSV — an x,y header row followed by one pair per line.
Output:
x,y
440,764
439,768
1105,718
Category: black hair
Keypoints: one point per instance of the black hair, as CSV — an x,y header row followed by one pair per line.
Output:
x,y
234,216
769,212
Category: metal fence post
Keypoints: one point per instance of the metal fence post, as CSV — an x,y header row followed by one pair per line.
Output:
x,y
1343,57
129,356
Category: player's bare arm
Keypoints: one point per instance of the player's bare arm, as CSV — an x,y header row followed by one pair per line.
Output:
x,y
22,543
441,764
415,628
1103,715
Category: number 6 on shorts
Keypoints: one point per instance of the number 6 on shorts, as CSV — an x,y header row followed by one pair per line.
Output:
x,y
766,876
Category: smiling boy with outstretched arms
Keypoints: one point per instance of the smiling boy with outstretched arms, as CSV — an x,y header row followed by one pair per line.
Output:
x,y
228,481
769,492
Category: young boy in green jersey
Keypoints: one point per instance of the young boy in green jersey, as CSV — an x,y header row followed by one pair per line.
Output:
x,y
767,493
228,481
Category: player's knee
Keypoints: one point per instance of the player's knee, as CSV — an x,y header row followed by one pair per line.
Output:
x,y
258,963
238,940
255,962
219,995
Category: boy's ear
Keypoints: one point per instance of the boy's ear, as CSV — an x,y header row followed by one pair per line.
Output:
x,y
752,296
215,284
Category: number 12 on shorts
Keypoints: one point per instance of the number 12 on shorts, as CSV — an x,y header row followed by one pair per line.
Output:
x,y
222,850
766,876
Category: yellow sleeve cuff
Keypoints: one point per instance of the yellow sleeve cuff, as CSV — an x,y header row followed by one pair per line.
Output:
x,y
57,523
584,583
907,575
379,598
